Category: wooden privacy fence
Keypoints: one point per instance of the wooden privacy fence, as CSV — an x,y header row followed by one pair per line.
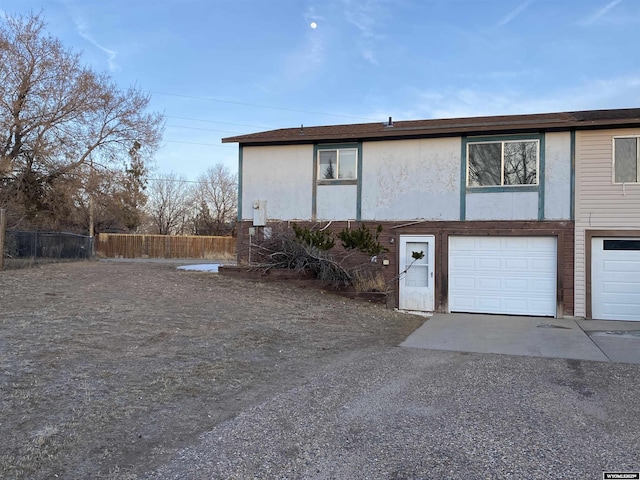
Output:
x,y
117,245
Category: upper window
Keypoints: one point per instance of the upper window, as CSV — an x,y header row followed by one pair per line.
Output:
x,y
337,164
626,157
512,162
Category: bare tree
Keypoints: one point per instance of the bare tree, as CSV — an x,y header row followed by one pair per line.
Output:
x,y
216,198
62,124
169,203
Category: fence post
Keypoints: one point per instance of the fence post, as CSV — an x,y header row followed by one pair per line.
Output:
x,y
3,225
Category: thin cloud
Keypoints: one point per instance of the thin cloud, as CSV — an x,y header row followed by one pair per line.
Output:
x,y
306,58
362,15
468,102
311,15
514,13
600,13
81,28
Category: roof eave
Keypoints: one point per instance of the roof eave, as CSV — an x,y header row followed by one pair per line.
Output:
x,y
413,133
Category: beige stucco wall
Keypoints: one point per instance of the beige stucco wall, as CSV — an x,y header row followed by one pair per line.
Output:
x,y
557,176
411,179
283,176
599,203
512,205
336,202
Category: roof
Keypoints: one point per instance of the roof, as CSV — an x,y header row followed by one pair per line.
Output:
x,y
503,124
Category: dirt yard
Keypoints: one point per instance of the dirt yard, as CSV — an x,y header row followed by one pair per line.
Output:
x,y
107,369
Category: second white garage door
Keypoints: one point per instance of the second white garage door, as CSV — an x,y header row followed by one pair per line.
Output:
x,y
615,278
507,275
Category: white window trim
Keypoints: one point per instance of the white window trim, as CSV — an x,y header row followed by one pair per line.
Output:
x,y
326,181
613,159
502,142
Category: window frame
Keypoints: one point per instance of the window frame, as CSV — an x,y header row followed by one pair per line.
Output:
x,y
613,158
337,148
502,142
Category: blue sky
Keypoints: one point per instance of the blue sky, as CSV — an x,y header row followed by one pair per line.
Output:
x,y
217,68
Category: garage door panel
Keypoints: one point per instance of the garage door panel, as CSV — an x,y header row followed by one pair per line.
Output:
x,y
465,284
466,243
488,304
620,266
514,306
466,263
487,283
465,303
514,285
487,263
541,286
541,265
623,298
621,309
515,264
511,275
486,243
513,242
620,288
511,305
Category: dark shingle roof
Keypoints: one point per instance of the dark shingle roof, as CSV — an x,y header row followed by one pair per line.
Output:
x,y
589,119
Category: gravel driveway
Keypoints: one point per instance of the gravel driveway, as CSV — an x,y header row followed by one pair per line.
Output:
x,y
394,413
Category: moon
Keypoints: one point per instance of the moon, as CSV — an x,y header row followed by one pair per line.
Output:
x,y
313,25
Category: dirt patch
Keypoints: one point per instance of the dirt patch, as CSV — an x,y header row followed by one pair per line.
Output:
x,y
107,369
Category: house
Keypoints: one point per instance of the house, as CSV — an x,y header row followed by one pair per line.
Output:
x,y
494,203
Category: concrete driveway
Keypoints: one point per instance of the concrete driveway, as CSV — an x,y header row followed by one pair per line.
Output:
x,y
605,341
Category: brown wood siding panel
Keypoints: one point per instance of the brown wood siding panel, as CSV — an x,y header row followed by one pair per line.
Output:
x,y
390,238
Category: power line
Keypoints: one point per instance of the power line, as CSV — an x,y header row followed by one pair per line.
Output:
x,y
260,106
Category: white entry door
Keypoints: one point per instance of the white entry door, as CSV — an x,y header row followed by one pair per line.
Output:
x,y
417,277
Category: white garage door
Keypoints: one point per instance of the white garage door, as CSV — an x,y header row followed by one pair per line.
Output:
x,y
509,275
615,278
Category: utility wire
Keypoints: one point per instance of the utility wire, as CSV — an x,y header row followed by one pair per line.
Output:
x,y
261,106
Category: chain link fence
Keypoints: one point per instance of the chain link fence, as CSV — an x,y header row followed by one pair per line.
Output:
x,y
22,248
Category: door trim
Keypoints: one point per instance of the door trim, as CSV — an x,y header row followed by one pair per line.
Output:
x,y
430,239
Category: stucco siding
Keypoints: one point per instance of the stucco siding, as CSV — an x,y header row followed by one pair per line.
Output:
x,y
502,206
283,176
336,202
557,188
411,179
600,204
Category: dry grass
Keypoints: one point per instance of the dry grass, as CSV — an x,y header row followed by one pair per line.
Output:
x,y
219,256
369,281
